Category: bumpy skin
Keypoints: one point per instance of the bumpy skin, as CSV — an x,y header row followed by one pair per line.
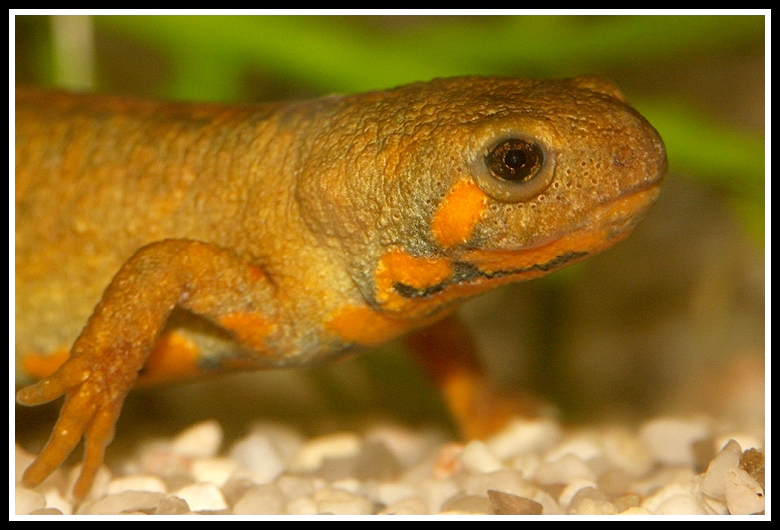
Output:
x,y
156,241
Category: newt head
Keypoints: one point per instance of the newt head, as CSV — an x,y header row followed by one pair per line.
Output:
x,y
465,184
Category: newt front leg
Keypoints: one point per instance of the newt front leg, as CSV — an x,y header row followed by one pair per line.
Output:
x,y
113,347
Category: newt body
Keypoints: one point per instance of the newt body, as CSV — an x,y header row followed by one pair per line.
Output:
x,y
157,241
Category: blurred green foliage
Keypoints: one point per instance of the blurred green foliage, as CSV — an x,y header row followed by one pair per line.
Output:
x,y
211,58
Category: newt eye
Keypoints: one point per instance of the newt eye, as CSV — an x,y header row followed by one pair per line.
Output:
x,y
514,160
514,169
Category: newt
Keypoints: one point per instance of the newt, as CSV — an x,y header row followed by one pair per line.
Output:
x,y
158,241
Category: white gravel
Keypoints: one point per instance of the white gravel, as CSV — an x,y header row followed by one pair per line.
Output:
x,y
531,467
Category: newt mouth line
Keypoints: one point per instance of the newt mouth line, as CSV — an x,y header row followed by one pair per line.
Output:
x,y
467,272
607,224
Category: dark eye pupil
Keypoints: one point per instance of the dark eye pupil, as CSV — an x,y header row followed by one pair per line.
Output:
x,y
515,160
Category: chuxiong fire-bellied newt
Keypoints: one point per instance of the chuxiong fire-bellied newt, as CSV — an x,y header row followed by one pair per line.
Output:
x,y
157,241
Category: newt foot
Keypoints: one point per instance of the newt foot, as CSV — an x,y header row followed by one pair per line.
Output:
x,y
91,410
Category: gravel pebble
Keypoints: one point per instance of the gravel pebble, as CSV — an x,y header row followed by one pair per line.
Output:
x,y
507,504
333,446
172,506
477,458
257,454
202,497
214,470
339,502
532,467
467,505
202,439
524,436
682,503
563,470
410,506
125,502
713,482
744,495
264,499
27,501
136,483
670,440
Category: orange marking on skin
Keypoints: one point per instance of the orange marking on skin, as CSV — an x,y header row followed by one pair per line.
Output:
x,y
257,273
39,366
398,266
174,357
457,214
606,226
251,329
589,240
367,327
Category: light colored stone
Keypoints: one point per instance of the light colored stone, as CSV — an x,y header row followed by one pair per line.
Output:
x,y
564,470
136,483
592,507
409,506
202,497
467,505
664,477
257,454
636,510
550,506
524,436
296,486
477,458
681,504
583,447
376,462
216,470
202,439
435,492
47,511
625,450
744,494
625,502
713,481
172,505
350,485
572,487
670,440
447,462
284,439
27,501
125,502
714,506
674,499
408,447
264,499
390,493
504,480
339,502
744,439
315,451
502,503
302,506
55,499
